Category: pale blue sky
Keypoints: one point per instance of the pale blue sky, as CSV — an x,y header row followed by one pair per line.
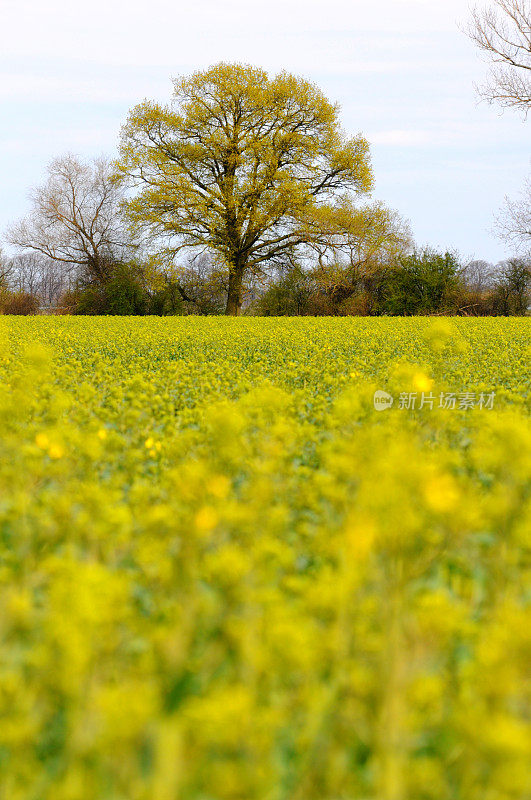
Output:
x,y
402,71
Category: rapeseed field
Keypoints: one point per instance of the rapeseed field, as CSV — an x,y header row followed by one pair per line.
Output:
x,y
226,575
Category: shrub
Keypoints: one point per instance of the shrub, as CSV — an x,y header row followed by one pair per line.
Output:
x,y
166,301
123,294
19,304
290,295
421,283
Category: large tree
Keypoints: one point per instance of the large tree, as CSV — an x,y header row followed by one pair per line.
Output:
x,y
503,32
76,218
240,165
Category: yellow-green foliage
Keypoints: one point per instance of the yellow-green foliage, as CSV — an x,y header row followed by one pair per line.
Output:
x,y
225,576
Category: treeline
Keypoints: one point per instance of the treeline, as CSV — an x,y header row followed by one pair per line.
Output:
x,y
423,282
243,195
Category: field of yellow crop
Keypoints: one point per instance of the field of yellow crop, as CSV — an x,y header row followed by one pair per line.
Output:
x,y
224,575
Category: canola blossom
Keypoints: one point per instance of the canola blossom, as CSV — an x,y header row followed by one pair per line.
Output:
x,y
225,575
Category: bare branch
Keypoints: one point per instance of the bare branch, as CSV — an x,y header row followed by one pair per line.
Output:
x,y
514,223
503,34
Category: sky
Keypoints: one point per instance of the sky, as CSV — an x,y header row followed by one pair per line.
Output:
x,y
402,71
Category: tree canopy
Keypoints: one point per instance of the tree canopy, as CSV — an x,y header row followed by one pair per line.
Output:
x,y
243,166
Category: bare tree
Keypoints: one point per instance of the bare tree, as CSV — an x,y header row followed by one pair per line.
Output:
x,y
40,277
76,218
27,273
478,276
514,223
503,33
6,268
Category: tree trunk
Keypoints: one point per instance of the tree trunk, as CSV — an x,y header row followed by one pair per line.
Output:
x,y
234,297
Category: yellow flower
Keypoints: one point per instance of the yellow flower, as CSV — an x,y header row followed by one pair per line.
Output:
x,y
206,519
42,441
55,451
421,382
360,535
219,486
441,493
